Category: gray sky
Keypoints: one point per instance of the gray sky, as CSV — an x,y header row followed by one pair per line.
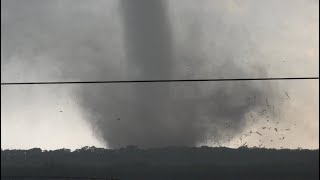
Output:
x,y
52,40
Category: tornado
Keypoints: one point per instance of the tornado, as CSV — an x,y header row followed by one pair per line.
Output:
x,y
166,114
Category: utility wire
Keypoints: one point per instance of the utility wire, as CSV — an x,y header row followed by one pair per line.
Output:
x,y
158,81
58,177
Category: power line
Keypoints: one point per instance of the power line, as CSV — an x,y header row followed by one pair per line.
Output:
x,y
158,81
59,177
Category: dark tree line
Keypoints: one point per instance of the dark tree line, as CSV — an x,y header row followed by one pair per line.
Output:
x,y
164,163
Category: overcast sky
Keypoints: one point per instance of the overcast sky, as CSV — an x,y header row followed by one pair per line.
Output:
x,y
62,40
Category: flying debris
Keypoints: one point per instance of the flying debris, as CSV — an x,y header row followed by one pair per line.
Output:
x,y
276,129
263,112
244,145
287,95
258,133
61,111
227,125
118,119
252,117
252,98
